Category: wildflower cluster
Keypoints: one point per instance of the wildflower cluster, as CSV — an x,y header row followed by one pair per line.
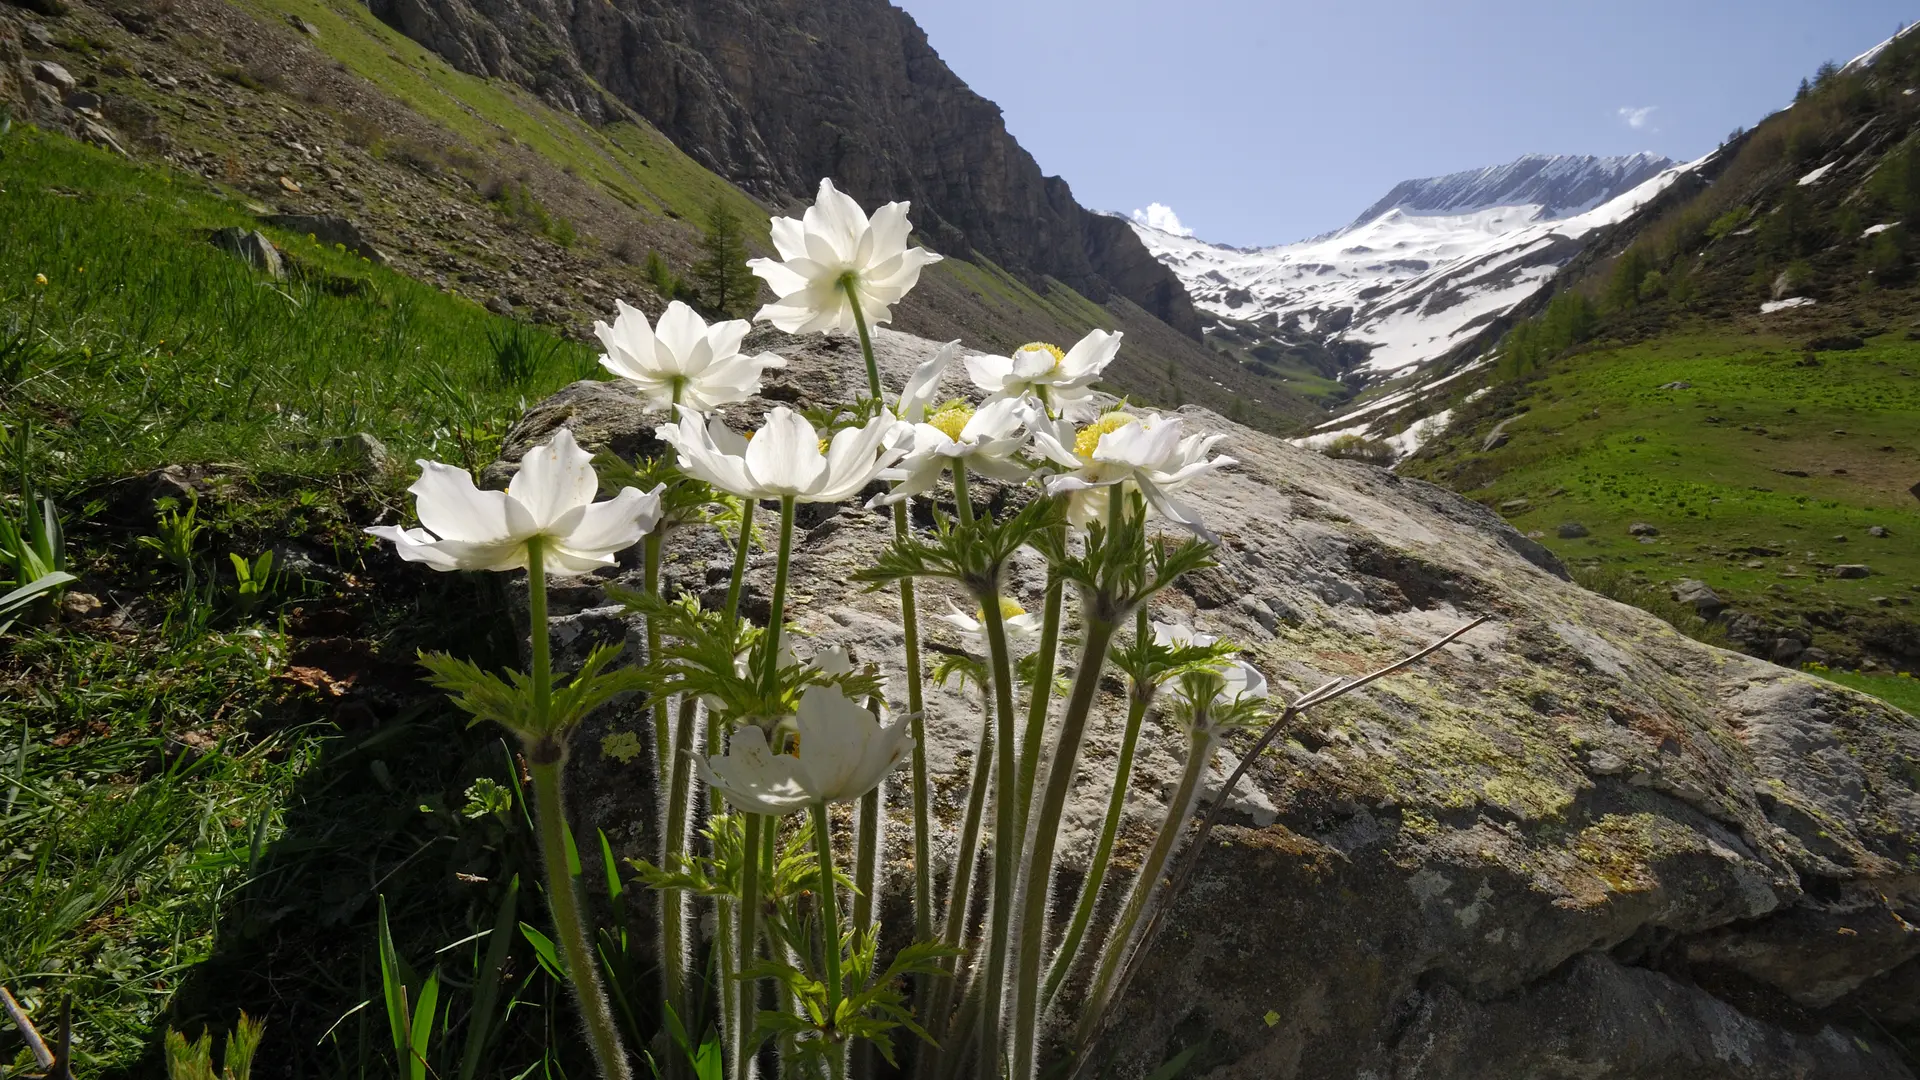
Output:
x,y
789,740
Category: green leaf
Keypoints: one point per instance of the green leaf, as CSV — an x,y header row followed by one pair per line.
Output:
x,y
422,1033
393,983
1177,1066
544,949
486,989
242,1043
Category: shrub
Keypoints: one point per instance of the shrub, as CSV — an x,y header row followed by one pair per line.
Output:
x,y
1360,448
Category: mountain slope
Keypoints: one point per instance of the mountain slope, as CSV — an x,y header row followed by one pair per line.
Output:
x,y
1726,389
1424,267
507,195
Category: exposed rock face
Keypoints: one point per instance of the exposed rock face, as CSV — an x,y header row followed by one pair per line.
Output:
x,y
775,94
1575,844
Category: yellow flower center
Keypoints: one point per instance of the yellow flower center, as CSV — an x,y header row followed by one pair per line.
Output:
x,y
1088,440
1008,609
951,419
1041,346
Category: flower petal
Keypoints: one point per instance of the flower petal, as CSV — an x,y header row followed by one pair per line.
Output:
x,y
454,509
784,456
553,479
614,525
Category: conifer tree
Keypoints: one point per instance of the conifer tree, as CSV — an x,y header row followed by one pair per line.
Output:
x,y
722,272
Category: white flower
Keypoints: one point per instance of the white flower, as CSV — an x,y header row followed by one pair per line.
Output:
x,y
1061,381
1148,453
924,383
833,253
843,753
550,497
785,457
1180,636
1019,625
682,360
957,436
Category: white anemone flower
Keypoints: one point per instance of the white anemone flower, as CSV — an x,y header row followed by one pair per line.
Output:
x,y
786,457
1062,381
1240,684
924,383
551,497
842,753
985,441
1150,453
834,253
1020,626
682,360
1178,635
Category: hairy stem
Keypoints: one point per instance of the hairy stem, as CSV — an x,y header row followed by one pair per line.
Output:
x,y
829,932
1064,960
740,551
777,613
1006,840
1043,834
673,902
1040,696
1120,938
959,891
748,941
564,903
866,341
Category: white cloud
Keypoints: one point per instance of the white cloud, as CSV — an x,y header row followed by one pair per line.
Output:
x,y
1161,216
1638,118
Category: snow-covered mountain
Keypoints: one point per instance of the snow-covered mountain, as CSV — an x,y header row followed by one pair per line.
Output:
x,y
1424,267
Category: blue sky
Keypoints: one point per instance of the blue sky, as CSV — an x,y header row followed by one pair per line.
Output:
x,y
1266,122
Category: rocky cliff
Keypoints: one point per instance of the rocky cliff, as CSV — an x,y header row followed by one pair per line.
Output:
x,y
1574,845
775,94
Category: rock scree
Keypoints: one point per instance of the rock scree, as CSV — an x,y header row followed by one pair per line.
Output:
x,y
1574,844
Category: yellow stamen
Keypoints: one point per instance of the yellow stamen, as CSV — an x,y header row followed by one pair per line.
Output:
x,y
40,279
951,419
1041,346
1008,609
1088,440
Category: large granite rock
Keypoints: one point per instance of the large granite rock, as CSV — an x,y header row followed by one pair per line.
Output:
x,y
1575,844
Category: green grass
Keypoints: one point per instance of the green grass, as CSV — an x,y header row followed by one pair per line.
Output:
x,y
149,346
126,816
1902,691
187,826
629,160
1765,452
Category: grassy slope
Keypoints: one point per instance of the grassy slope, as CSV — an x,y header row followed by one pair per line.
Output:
x,y
127,841
1774,446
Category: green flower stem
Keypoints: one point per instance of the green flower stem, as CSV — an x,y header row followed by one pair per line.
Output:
x,y
546,760
962,501
673,921
1067,956
1044,835
916,726
662,733
866,863
829,933
1120,938
959,891
866,342
1040,698
748,942
777,614
1006,839
740,551
539,635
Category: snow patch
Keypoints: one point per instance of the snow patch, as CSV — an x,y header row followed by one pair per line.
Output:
x,y
1789,303
1816,175
1874,230
1408,442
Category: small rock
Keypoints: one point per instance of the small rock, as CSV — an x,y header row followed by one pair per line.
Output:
x,y
102,136
253,246
1852,570
303,26
1816,656
1641,528
1786,651
499,306
79,605
1694,592
1877,531
363,453
1260,612
1840,539
1754,564
1881,601
54,75
331,230
1678,384
287,184
1515,506
1573,530
81,99
39,36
